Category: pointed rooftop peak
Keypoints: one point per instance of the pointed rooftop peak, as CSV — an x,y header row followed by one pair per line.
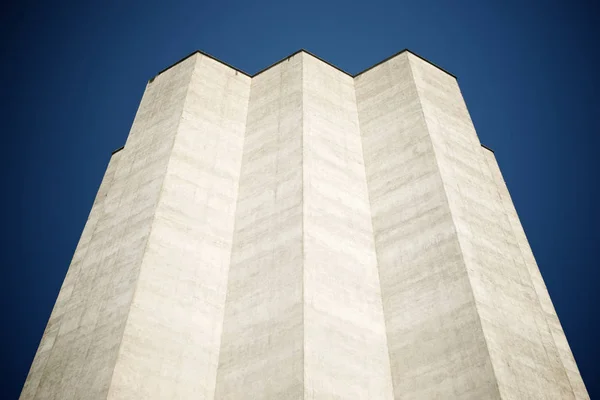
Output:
x,y
307,52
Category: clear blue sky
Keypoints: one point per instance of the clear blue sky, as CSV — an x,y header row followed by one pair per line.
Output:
x,y
73,74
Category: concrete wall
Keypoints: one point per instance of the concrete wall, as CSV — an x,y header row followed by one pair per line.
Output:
x,y
303,315
303,234
523,359
436,344
96,296
38,368
262,346
344,332
170,347
130,309
551,334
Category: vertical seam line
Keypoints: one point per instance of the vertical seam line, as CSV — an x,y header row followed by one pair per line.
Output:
x,y
233,240
387,341
303,227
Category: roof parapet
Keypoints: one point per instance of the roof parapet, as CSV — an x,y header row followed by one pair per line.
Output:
x,y
295,53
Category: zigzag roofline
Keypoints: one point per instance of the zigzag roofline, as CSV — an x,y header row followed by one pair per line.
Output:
x,y
307,52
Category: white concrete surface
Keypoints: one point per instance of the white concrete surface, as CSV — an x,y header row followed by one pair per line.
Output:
x,y
508,305
345,344
171,342
303,234
262,344
436,344
550,330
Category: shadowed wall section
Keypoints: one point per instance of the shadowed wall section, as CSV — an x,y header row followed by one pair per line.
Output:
x,y
514,327
262,346
345,341
436,344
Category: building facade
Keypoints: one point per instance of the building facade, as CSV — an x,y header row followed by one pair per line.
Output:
x,y
303,233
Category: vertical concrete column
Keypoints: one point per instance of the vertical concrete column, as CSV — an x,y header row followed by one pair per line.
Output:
x,y
141,309
436,343
524,361
553,338
62,302
262,345
303,316
303,234
345,346
170,346
92,318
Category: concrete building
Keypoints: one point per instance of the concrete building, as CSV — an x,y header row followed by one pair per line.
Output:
x,y
303,233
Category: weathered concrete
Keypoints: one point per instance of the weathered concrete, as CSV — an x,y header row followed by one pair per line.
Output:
x,y
142,303
38,371
95,299
436,344
463,306
551,334
508,306
344,331
303,234
172,338
303,281
262,346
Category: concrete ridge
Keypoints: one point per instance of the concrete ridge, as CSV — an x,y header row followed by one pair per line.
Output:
x,y
482,145
292,55
307,52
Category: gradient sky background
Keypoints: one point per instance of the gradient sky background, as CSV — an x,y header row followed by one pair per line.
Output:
x,y
73,74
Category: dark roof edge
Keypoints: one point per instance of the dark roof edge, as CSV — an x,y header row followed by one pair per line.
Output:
x,y
487,148
206,55
277,62
307,52
400,52
117,150
328,63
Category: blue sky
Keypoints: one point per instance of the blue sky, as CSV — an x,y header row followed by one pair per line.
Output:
x,y
73,75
